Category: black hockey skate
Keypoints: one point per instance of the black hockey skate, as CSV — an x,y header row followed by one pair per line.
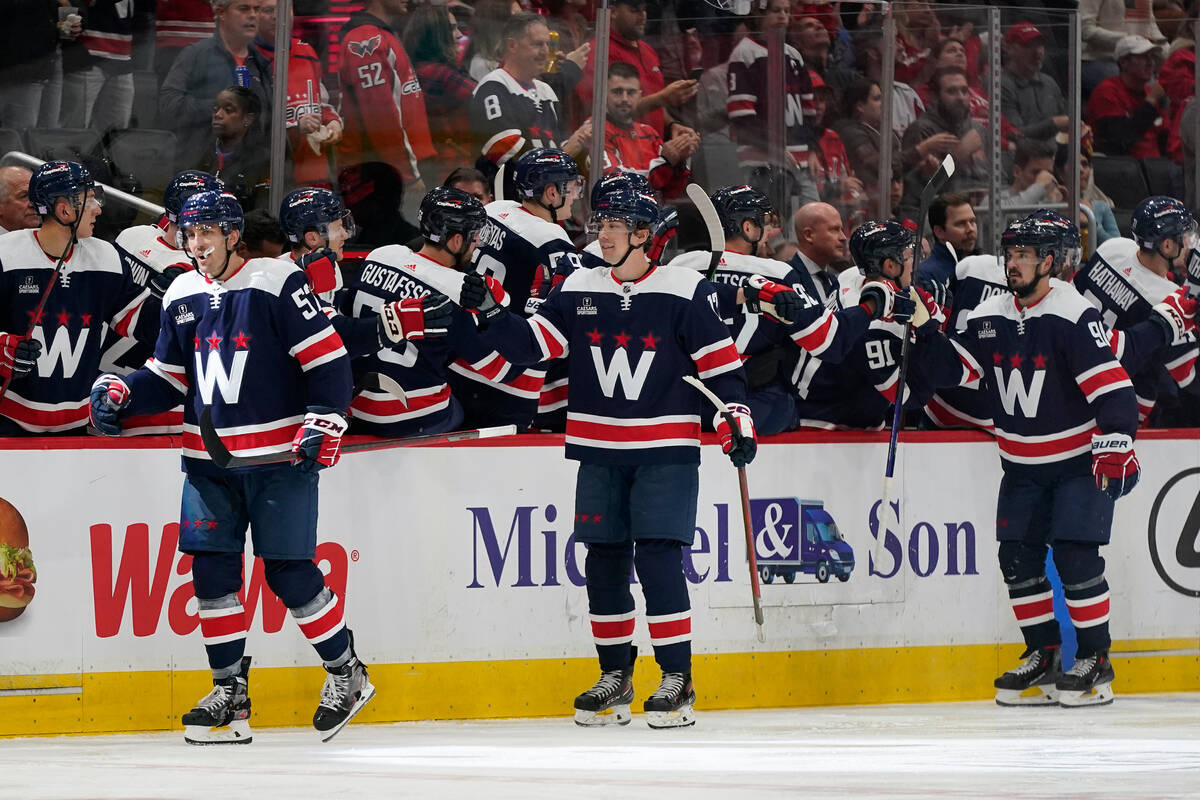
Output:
x,y
345,692
671,704
608,701
222,717
1033,682
1088,683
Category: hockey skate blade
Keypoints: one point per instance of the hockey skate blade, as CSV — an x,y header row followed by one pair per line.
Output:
x,y
680,718
237,732
367,693
1101,695
613,715
1033,696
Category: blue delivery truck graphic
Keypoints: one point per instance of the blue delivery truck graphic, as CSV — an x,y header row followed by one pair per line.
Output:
x,y
793,535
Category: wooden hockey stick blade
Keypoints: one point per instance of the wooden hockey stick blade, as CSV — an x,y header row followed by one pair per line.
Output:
x,y
498,182
886,518
378,382
945,171
716,233
704,390
224,459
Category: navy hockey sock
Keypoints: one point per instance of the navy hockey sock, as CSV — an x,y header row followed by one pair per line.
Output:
x,y
216,579
1081,568
610,603
318,611
659,565
1024,569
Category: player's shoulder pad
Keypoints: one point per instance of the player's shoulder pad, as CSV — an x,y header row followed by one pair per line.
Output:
x,y
998,305
593,248
753,265
266,274
97,254
1118,250
530,227
390,255
189,283
1065,301
694,259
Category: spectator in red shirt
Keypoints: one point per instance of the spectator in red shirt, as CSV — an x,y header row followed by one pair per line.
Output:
x,y
313,126
431,41
1178,79
1125,111
634,146
628,19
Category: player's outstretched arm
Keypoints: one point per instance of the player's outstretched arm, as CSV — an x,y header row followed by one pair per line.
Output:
x,y
520,341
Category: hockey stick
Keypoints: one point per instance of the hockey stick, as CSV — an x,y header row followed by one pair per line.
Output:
x,y
224,459
498,183
931,190
716,232
41,306
752,557
378,382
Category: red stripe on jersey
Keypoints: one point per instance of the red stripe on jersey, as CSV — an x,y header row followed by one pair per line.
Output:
x,y
110,46
1091,612
1098,381
528,381
1033,610
739,105
1051,447
229,624
327,344
323,624
166,422
552,396
502,147
551,340
717,360
613,629
669,629
817,340
394,406
1181,371
241,442
39,420
632,433
125,323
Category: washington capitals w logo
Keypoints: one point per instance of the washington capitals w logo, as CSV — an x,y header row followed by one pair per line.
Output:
x,y
366,47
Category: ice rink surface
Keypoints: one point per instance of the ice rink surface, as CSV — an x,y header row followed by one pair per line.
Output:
x,y
1140,747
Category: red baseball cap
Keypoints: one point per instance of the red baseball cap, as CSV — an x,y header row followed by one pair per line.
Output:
x,y
1023,33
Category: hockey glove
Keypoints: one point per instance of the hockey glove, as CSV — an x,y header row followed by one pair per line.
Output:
x,y
483,296
1193,273
18,355
1114,464
776,300
1177,314
110,396
664,230
414,318
928,316
321,267
319,439
737,440
889,306
161,281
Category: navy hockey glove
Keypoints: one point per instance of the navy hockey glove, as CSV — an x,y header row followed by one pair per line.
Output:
x,y
483,296
1114,464
1177,314
414,318
319,439
161,281
776,300
889,305
18,355
110,396
321,267
737,441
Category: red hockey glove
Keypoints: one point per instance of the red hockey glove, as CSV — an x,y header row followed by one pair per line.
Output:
x,y
1178,311
318,439
664,230
737,441
321,267
776,300
110,396
414,318
1114,464
483,296
890,305
18,355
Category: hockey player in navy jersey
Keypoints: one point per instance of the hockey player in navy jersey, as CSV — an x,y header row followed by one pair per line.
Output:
x,y
629,332
317,224
151,255
246,341
1065,417
410,291
523,247
47,376
1126,277
770,346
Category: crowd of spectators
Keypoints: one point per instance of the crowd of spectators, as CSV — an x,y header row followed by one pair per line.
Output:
x,y
387,97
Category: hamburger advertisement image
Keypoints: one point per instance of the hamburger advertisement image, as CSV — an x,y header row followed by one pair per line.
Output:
x,y
17,573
